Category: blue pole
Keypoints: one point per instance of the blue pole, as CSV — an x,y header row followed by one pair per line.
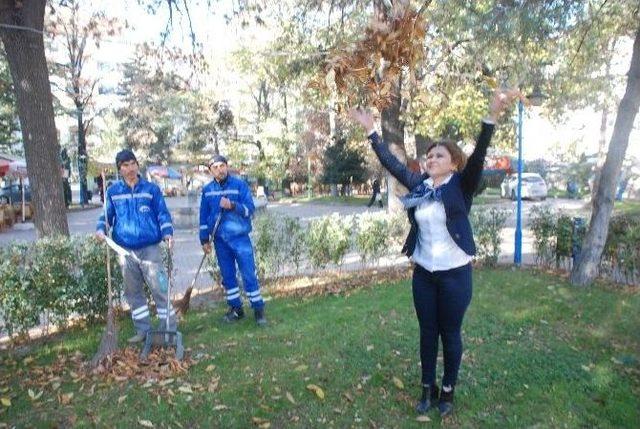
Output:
x,y
517,253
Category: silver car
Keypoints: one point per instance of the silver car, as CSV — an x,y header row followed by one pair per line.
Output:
x,y
533,186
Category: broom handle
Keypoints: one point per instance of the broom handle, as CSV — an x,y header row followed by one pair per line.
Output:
x,y
106,223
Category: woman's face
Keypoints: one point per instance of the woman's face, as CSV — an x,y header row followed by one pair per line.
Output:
x,y
439,163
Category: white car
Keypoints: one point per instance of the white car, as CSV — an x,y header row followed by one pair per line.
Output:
x,y
533,186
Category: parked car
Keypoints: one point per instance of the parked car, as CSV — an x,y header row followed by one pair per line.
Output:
x,y
14,194
533,186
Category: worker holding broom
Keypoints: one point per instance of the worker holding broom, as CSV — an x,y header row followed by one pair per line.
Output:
x,y
226,208
139,220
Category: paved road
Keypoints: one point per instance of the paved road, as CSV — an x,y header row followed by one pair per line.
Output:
x,y
187,252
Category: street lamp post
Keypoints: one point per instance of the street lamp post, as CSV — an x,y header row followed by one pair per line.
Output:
x,y
535,99
517,253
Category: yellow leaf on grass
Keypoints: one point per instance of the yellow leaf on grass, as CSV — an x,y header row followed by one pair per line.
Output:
x,y
34,396
121,399
145,423
290,398
185,389
317,390
399,384
210,368
301,368
28,360
5,401
220,407
66,398
423,419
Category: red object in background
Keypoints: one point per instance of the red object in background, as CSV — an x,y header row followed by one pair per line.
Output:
x,y
4,167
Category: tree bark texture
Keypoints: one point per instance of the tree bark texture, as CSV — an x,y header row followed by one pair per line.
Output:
x,y
393,135
586,269
26,57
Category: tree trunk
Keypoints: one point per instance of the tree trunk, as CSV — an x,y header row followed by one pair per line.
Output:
x,y
82,157
586,268
216,148
25,54
393,135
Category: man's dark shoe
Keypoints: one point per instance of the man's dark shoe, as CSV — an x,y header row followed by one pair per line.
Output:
x,y
233,315
259,314
445,405
428,398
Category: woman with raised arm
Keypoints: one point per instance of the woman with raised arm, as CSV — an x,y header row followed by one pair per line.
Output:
x,y
440,243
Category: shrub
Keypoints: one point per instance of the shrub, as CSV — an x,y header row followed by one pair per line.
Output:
x,y
371,236
53,271
89,297
543,225
487,225
328,240
18,308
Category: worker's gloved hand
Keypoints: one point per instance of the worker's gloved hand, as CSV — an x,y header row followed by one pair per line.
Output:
x,y
226,203
206,248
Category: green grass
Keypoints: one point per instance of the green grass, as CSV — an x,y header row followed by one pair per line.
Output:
x,y
539,353
627,207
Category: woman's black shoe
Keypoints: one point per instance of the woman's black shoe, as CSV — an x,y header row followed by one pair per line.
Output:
x,y
429,396
445,404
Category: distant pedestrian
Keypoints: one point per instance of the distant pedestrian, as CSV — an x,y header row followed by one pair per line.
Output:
x,y
376,196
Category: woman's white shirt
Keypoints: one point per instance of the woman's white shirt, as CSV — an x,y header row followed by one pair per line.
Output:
x,y
435,249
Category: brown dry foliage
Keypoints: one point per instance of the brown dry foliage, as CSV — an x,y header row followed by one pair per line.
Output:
x,y
366,73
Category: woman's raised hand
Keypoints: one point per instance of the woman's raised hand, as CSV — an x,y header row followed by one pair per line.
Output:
x,y
501,100
362,117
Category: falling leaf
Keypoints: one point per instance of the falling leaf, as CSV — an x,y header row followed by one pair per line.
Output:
x,y
423,419
317,390
210,368
145,423
290,398
5,401
399,384
492,82
121,399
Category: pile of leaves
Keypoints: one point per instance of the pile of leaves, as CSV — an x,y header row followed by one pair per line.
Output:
x,y
126,364
366,73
